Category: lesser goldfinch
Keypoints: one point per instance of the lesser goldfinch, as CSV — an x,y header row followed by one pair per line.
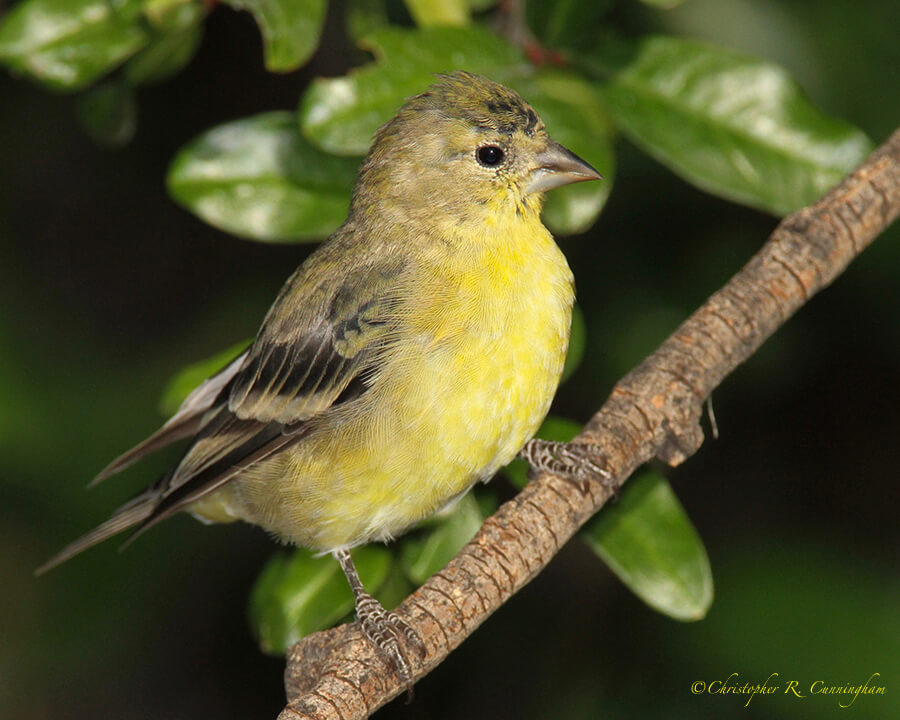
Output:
x,y
411,355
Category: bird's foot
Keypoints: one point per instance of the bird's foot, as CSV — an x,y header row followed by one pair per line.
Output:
x,y
388,632
579,463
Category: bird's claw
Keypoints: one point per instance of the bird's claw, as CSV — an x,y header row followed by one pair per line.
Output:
x,y
387,631
580,463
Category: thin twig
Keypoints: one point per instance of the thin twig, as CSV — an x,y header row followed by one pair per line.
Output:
x,y
654,411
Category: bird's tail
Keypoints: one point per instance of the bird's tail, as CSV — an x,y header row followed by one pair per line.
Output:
x,y
132,513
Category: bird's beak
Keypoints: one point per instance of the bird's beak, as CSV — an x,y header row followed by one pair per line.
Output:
x,y
557,166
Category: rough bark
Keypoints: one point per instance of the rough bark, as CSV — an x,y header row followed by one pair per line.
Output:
x,y
654,411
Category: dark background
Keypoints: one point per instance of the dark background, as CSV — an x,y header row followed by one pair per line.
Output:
x,y
107,289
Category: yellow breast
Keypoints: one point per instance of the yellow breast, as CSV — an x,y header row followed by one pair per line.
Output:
x,y
482,344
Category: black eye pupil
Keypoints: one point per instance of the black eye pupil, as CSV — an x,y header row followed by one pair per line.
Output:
x,y
490,155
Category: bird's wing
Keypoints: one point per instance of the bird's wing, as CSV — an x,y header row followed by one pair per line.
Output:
x,y
317,348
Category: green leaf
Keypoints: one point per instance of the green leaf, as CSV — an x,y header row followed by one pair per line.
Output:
x,y
165,54
109,114
173,16
302,593
481,5
432,13
190,377
290,29
395,589
258,178
663,4
487,501
558,429
68,44
731,124
577,343
341,114
363,17
647,540
566,23
424,555
574,115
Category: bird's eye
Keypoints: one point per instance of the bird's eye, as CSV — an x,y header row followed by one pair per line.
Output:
x,y
490,155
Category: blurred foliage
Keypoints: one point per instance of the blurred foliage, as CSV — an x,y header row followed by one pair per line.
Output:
x,y
577,343
302,593
69,44
260,179
439,12
730,124
290,28
424,553
649,543
645,537
710,89
108,114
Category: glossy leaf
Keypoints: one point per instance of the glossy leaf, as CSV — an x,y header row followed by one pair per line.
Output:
x,y
731,124
663,4
68,44
425,555
302,593
363,17
566,23
341,114
290,29
558,429
181,385
432,13
173,16
647,539
481,5
487,501
577,343
109,114
258,178
165,54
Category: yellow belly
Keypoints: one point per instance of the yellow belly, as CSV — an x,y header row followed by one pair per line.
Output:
x,y
476,370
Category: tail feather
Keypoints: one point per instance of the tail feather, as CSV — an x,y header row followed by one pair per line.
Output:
x,y
166,435
193,415
129,515
188,421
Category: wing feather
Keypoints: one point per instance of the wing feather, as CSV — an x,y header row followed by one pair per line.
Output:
x,y
318,347
301,364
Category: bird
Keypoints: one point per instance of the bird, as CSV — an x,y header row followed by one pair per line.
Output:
x,y
411,355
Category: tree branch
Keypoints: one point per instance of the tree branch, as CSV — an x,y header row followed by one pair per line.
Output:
x,y
654,411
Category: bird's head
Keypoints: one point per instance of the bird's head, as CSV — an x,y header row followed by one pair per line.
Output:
x,y
466,149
